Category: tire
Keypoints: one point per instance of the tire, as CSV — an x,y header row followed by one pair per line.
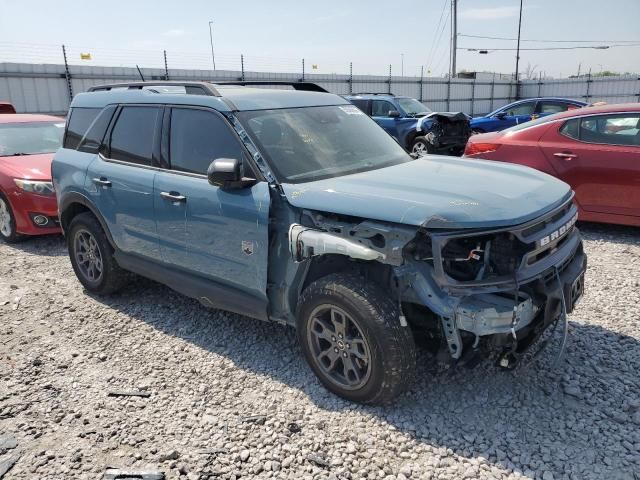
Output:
x,y
8,222
87,241
420,146
380,353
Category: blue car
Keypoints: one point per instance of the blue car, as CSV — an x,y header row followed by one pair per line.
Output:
x,y
293,206
418,129
522,111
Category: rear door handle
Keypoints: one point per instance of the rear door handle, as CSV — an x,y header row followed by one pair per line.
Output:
x,y
565,155
173,196
103,182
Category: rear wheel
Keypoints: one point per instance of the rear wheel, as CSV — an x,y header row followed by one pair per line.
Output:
x,y
91,256
421,147
351,336
8,222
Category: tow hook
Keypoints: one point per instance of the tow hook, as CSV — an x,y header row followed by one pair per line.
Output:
x,y
507,360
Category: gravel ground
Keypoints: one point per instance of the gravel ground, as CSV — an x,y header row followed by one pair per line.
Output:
x,y
231,397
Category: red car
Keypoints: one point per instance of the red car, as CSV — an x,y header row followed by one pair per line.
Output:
x,y
596,150
27,198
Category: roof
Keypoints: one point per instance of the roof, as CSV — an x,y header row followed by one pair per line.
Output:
x,y
555,99
613,108
28,117
232,98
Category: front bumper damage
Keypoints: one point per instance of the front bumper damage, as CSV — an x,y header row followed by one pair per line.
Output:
x,y
484,290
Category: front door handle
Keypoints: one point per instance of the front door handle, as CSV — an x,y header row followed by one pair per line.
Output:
x,y
103,182
565,155
173,196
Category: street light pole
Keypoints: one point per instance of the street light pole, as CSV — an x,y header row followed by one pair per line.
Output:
x,y
213,58
518,54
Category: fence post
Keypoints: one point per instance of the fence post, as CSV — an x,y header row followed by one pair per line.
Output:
x,y
67,74
493,86
303,69
586,96
166,68
540,84
449,93
242,67
350,78
421,78
473,96
389,91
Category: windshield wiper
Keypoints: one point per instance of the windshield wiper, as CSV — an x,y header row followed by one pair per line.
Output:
x,y
18,154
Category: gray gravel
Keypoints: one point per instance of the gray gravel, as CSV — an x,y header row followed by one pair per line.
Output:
x,y
232,398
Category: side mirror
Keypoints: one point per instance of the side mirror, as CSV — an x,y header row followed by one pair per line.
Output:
x,y
227,173
501,115
394,113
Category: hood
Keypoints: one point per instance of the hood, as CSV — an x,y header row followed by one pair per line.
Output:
x,y
32,167
433,116
437,192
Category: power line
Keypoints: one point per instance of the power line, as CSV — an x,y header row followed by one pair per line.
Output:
x,y
438,41
595,47
549,41
435,34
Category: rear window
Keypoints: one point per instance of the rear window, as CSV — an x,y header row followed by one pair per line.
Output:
x,y
531,123
133,135
79,121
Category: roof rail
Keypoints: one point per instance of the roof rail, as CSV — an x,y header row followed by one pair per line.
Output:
x,y
373,93
191,87
306,86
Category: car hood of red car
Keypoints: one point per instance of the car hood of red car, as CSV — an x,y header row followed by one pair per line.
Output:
x,y
32,167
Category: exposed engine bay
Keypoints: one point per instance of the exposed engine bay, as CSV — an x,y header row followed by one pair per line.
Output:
x,y
495,290
448,132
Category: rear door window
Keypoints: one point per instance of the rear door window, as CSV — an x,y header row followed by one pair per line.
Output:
x,y
381,108
79,121
549,107
618,129
197,138
362,105
133,135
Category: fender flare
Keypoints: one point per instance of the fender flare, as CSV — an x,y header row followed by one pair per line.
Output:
x,y
72,198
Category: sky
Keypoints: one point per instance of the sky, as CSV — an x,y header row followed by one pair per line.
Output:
x,y
276,35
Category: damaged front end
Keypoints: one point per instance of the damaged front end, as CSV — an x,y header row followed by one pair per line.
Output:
x,y
446,133
472,290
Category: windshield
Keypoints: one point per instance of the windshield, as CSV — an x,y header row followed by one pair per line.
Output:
x,y
412,107
312,143
30,138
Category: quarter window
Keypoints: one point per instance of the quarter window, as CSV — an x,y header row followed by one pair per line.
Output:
x,y
361,104
381,108
571,129
79,122
197,138
133,135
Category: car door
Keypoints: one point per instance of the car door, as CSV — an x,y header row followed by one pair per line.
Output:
x,y
516,114
380,113
120,179
219,235
599,156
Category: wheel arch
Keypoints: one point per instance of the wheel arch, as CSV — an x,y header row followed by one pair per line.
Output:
x,y
74,204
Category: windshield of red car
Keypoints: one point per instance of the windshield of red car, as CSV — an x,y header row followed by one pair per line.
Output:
x,y
313,143
30,138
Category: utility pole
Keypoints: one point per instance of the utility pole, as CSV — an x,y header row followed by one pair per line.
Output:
x,y
213,58
518,54
402,64
454,37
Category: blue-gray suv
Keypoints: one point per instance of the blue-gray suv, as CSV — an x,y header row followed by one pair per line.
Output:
x,y
292,205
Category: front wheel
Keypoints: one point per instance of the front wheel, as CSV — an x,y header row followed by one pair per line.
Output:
x,y
352,338
8,222
421,147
